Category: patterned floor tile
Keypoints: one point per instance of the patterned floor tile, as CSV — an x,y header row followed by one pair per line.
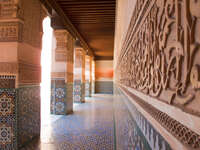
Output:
x,y
91,127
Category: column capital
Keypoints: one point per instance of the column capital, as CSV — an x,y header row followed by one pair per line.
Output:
x,y
61,36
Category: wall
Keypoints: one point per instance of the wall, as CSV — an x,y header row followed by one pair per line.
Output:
x,y
123,16
157,70
104,76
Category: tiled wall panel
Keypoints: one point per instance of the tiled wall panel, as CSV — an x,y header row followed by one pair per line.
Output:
x,y
133,130
28,114
8,119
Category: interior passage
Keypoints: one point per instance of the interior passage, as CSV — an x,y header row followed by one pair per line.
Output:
x,y
91,127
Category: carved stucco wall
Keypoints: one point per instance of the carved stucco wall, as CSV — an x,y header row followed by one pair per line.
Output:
x,y
123,16
159,63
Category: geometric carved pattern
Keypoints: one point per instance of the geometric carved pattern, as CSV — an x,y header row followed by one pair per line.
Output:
x,y
160,55
9,68
7,81
29,73
33,15
181,132
10,31
9,9
61,45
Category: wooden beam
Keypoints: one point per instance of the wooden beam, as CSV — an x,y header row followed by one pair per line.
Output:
x,y
103,58
93,13
105,8
90,11
71,28
86,5
93,18
85,2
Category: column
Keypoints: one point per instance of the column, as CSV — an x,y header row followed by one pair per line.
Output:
x,y
62,73
93,76
88,77
69,77
79,71
20,71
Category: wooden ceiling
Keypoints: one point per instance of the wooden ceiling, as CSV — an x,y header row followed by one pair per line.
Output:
x,y
95,21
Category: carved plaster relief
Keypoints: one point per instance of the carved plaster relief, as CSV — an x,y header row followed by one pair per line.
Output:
x,y
11,31
33,14
29,74
61,45
8,68
10,9
10,28
161,51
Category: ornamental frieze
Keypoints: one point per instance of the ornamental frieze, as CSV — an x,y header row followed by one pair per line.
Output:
x,y
161,52
61,45
9,9
11,31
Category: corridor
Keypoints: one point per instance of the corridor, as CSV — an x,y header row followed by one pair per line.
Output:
x,y
91,127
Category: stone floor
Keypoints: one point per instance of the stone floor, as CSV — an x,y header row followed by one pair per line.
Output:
x,y
91,127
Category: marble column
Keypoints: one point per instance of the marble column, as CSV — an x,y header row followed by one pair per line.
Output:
x,y
79,80
20,71
62,73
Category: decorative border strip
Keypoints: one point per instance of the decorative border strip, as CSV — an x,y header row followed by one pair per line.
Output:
x,y
178,130
7,81
151,135
7,77
11,68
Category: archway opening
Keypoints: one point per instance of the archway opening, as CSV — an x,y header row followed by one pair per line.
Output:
x,y
46,72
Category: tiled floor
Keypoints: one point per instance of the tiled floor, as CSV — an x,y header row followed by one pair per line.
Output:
x,y
91,127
